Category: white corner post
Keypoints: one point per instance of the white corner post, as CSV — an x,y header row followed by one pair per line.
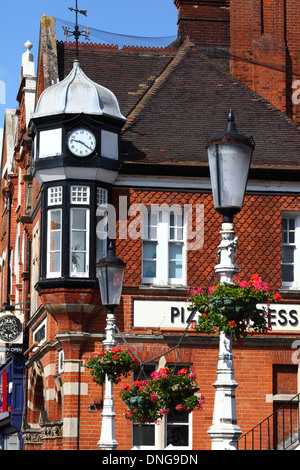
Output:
x,y
107,439
224,432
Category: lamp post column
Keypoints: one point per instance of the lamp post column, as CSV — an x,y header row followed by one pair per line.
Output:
x,y
229,156
107,439
224,431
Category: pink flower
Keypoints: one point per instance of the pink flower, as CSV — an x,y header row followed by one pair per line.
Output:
x,y
244,284
211,289
178,407
163,411
153,397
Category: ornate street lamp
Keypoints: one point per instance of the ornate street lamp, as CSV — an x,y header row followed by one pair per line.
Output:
x,y
110,273
229,155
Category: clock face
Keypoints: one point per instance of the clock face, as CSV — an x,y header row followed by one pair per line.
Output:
x,y
81,142
10,328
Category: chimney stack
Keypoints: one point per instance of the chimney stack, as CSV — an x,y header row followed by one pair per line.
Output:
x,y
205,22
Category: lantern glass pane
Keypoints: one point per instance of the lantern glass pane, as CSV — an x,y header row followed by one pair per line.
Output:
x,y
110,283
229,166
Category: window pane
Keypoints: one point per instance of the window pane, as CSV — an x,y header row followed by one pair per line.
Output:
x,y
291,224
175,251
177,435
175,260
149,269
78,241
149,259
288,254
54,262
55,241
55,222
288,273
78,262
284,224
143,435
78,219
149,250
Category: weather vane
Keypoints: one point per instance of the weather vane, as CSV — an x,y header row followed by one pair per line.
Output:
x,y
76,33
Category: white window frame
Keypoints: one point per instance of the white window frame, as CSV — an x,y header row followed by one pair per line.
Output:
x,y
101,223
55,196
53,274
84,273
161,236
295,284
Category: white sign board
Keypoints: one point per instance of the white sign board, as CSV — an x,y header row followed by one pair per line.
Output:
x,y
175,314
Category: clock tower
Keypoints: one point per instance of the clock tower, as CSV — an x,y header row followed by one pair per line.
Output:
x,y
76,131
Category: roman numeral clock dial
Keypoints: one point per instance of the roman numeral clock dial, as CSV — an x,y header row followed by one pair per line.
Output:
x,y
81,142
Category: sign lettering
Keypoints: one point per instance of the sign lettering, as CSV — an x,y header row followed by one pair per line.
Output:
x,y
175,314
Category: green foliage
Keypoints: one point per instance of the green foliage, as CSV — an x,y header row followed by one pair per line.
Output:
x,y
232,307
165,392
114,363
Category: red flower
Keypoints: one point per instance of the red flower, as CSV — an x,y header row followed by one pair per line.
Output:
x,y
277,296
115,357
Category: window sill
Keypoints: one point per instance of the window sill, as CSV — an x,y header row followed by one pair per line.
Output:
x,y
163,287
290,292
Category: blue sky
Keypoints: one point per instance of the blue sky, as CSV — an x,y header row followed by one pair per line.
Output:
x,y
20,21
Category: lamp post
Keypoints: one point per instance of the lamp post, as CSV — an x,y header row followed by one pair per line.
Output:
x,y
229,155
110,273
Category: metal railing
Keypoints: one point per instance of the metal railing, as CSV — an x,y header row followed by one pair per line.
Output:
x,y
279,431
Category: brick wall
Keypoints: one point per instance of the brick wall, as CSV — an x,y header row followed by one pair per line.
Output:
x,y
204,22
264,38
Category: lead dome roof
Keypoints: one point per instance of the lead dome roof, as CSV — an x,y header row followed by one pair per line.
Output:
x,y
77,94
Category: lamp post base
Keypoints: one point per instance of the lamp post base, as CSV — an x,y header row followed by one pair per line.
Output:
x,y
224,431
107,439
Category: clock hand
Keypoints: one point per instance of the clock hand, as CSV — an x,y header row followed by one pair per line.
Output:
x,y
80,142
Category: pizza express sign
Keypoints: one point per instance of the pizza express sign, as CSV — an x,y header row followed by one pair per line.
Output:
x,y
175,314
11,328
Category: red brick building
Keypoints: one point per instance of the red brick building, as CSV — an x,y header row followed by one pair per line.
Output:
x,y
172,99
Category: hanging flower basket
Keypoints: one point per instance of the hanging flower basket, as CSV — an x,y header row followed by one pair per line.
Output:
x,y
141,403
165,392
114,363
232,308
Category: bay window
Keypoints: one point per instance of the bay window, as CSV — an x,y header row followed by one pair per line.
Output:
x,y
69,243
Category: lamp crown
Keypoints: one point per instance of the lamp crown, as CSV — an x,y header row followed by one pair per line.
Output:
x,y
230,125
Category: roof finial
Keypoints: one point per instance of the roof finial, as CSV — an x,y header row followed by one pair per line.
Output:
x,y
76,33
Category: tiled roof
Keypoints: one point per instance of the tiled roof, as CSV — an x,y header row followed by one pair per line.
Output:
x,y
174,100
